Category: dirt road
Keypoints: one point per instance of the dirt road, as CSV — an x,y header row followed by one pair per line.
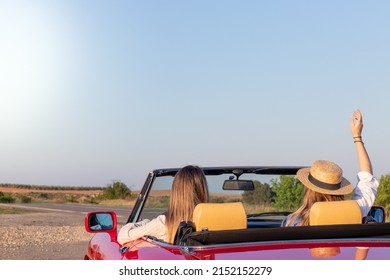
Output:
x,y
42,236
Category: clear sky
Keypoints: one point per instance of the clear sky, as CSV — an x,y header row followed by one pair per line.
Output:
x,y
95,91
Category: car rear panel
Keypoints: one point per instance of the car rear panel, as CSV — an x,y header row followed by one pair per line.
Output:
x,y
102,247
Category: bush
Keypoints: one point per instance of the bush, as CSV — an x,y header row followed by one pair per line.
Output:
x,y
288,193
45,196
261,195
25,199
6,198
383,195
72,199
116,190
91,200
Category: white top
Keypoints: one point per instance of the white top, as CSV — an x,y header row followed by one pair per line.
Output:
x,y
365,191
133,231
364,194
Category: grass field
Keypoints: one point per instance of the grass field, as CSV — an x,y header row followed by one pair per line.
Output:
x,y
54,194
28,193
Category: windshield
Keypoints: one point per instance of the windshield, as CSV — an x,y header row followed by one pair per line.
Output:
x,y
259,200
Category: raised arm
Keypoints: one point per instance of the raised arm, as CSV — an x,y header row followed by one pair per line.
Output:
x,y
356,129
365,192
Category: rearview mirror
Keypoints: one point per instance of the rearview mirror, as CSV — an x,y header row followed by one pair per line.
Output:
x,y
239,185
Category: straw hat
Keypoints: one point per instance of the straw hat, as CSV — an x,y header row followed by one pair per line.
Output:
x,y
325,177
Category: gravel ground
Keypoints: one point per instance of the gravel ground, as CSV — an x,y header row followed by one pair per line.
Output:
x,y
42,236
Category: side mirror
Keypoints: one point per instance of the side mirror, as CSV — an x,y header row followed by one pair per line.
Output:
x,y
100,222
377,214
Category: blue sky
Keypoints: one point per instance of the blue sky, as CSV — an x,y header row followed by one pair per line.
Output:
x,y
95,91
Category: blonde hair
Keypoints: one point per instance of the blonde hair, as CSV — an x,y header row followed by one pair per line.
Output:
x,y
309,198
189,188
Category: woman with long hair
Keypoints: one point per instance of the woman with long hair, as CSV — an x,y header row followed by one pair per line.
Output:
x,y
323,181
189,188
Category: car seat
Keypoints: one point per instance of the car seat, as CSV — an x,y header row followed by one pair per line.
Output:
x,y
212,216
335,212
219,216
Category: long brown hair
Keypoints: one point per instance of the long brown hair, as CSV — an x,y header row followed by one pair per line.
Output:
x,y
189,188
309,198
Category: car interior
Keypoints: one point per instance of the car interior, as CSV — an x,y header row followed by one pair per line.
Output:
x,y
329,220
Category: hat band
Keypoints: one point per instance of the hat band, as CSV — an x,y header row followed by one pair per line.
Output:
x,y
322,184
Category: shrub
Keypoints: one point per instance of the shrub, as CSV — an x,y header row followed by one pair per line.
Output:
x,y
261,195
288,192
6,198
383,195
25,199
72,199
91,200
44,196
116,190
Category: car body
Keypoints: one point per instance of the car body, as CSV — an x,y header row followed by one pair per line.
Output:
x,y
262,239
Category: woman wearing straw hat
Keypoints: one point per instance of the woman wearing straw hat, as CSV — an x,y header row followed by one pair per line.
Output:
x,y
324,181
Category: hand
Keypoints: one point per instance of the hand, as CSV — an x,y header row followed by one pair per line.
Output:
x,y
356,123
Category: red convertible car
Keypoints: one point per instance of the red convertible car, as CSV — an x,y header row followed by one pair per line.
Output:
x,y
235,225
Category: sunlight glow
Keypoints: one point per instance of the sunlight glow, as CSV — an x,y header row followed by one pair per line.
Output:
x,y
31,56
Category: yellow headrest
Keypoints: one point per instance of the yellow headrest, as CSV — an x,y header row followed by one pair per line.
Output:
x,y
335,212
219,216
